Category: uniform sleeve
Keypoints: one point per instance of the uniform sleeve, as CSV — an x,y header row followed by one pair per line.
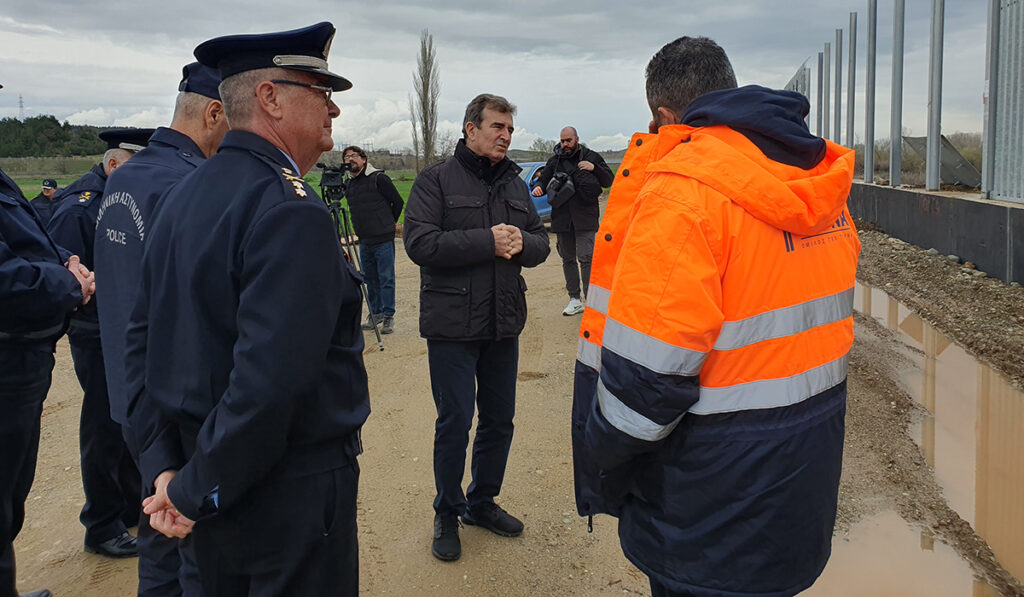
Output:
x,y
157,438
284,334
427,243
664,313
71,234
34,290
387,189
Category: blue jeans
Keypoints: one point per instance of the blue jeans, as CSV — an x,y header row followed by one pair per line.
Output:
x,y
378,263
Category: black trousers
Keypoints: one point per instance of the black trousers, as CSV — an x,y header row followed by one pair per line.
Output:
x,y
294,536
464,375
24,381
167,566
109,475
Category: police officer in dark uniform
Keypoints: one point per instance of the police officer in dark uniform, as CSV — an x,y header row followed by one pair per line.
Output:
x,y
247,387
46,202
40,283
109,477
132,196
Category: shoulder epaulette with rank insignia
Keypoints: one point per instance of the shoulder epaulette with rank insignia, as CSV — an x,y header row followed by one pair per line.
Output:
x,y
85,196
296,181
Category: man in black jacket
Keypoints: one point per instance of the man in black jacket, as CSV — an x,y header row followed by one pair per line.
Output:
x,y
471,227
45,203
575,220
375,205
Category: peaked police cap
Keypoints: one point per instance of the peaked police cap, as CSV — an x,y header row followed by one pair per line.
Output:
x,y
299,49
201,79
131,139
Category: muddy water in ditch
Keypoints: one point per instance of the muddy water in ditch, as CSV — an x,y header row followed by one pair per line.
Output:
x,y
972,434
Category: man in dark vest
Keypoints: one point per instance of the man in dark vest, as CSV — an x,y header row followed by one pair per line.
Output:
x,y
375,205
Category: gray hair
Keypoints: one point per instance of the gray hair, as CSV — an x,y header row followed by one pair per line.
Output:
x,y
118,154
236,93
189,106
684,70
475,109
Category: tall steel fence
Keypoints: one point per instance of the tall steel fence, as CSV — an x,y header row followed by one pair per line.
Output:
x,y
1002,175
1003,169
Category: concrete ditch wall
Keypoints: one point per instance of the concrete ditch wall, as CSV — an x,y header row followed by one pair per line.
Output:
x,y
989,233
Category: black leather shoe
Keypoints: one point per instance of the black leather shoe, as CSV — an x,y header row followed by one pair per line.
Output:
x,y
41,593
446,545
122,546
491,517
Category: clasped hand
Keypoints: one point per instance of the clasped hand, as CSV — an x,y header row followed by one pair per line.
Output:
x,y
508,240
163,516
85,278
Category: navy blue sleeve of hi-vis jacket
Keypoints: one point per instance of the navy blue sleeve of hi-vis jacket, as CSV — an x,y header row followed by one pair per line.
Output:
x,y
635,410
284,332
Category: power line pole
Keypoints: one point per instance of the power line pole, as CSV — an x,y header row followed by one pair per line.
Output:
x,y
21,108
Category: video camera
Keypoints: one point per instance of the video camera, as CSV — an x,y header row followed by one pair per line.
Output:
x,y
332,180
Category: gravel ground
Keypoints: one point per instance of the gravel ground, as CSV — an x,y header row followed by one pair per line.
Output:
x,y
883,468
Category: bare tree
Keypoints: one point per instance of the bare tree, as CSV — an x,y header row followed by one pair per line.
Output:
x,y
427,88
445,144
542,145
415,134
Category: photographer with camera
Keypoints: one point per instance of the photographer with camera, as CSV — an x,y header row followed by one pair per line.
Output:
x,y
573,179
375,206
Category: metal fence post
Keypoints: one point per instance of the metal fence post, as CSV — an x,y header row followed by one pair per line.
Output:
x,y
851,80
896,118
828,102
869,99
817,111
988,148
838,128
934,97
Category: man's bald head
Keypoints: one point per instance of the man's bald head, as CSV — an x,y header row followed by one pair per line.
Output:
x,y
569,139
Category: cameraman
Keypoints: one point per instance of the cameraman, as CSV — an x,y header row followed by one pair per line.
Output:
x,y
375,206
575,220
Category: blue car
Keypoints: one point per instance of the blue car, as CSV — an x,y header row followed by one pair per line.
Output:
x,y
531,172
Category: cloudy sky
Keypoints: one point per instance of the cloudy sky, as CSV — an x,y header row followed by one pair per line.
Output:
x,y
581,63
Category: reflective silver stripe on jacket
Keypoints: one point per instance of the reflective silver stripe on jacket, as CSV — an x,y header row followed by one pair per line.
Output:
x,y
597,298
589,354
786,321
628,420
771,393
654,354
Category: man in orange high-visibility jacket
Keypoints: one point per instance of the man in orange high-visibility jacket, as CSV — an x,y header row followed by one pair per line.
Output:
x,y
711,373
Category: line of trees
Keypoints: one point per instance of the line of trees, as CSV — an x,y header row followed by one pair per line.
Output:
x,y
45,136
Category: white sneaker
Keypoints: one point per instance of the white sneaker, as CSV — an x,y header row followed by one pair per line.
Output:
x,y
575,307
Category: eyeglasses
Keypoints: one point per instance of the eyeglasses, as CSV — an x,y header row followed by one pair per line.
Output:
x,y
327,91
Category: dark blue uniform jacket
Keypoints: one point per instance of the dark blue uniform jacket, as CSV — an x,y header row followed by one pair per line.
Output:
x,y
73,227
36,290
244,354
45,207
127,210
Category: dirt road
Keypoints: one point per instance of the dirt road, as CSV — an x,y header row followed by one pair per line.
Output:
x,y
555,555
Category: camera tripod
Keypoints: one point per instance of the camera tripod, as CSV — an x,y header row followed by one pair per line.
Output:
x,y
333,192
